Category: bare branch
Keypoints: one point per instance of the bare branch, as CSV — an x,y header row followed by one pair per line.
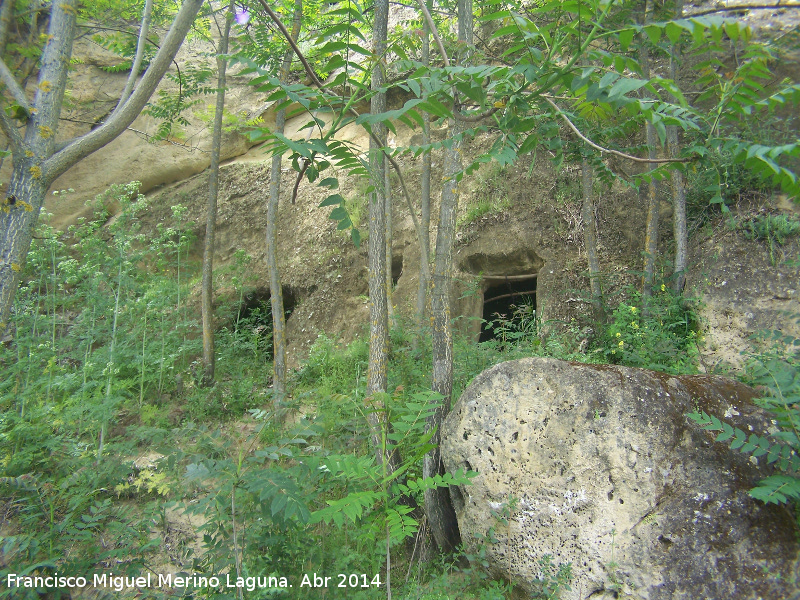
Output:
x,y
137,61
11,83
742,7
434,32
577,132
476,117
294,46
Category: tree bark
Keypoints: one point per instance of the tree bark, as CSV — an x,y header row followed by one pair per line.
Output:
x,y
36,164
275,286
377,375
438,504
651,234
590,242
207,309
678,185
387,192
425,192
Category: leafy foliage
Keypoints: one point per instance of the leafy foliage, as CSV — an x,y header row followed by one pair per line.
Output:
x,y
661,333
777,371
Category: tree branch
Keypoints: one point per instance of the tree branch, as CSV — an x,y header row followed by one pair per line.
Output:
x,y
577,132
11,83
97,138
294,46
434,32
477,117
137,61
352,111
740,8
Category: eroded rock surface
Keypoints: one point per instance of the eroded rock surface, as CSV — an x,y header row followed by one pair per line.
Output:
x,y
610,475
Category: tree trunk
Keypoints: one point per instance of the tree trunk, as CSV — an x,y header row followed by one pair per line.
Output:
x,y
425,192
387,191
651,235
207,310
678,184
438,505
590,242
275,287
36,164
377,376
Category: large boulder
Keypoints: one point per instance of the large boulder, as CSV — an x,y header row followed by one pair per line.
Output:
x,y
599,467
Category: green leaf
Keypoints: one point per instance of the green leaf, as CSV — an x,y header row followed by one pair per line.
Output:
x,y
625,38
331,200
332,183
339,213
673,32
653,33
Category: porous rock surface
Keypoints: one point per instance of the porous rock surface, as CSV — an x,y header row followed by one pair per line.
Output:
x,y
609,475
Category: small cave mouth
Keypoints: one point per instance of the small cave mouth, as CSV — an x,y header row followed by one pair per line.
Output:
x,y
253,318
509,305
397,268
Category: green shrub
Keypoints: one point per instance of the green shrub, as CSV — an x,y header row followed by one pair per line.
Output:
x,y
663,335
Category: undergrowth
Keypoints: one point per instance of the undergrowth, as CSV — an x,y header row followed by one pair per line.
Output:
x,y
109,447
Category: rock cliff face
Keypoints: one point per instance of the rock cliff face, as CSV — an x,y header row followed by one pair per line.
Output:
x,y
598,466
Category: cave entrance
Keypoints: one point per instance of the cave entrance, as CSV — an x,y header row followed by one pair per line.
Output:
x,y
252,322
397,268
509,305
507,286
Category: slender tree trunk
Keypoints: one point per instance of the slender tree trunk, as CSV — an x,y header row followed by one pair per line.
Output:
x,y
211,209
425,191
438,505
36,163
590,241
651,235
377,375
387,190
275,287
678,185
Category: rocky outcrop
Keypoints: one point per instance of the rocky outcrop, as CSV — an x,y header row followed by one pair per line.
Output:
x,y
598,466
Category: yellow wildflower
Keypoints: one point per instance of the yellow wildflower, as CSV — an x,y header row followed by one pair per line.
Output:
x,y
621,344
633,310
618,334
663,288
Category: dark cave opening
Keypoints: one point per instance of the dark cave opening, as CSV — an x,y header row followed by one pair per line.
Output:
x,y
509,305
253,319
397,268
